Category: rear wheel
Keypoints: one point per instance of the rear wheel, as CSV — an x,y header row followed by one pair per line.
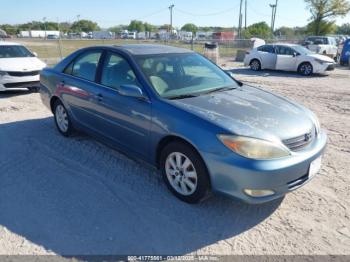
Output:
x,y
255,65
62,119
305,69
184,172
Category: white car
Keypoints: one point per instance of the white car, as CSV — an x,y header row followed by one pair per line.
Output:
x,y
19,67
288,57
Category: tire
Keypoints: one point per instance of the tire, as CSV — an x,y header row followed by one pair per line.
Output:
x,y
188,182
62,119
305,69
255,65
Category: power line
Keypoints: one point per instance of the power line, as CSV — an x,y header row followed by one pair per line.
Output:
x,y
208,14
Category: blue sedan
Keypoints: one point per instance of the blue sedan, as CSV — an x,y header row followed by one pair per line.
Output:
x,y
174,109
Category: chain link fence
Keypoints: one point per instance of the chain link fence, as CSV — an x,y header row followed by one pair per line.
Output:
x,y
52,51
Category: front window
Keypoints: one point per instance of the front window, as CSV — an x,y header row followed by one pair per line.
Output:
x,y
14,51
302,50
179,75
116,72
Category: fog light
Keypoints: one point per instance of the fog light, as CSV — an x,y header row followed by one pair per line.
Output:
x,y
259,193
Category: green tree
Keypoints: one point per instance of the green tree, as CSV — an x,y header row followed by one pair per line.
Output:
x,y
137,26
189,28
323,10
321,28
9,29
261,30
84,26
344,29
149,27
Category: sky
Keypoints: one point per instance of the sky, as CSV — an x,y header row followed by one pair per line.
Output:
x,y
108,13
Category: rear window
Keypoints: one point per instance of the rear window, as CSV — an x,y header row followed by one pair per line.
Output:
x,y
85,66
266,49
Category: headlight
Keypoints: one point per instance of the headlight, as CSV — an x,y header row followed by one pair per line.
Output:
x,y
316,123
254,148
320,61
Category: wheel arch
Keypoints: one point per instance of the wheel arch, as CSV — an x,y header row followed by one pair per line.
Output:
x,y
304,62
173,138
52,102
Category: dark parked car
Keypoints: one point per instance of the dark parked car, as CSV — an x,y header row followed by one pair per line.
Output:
x,y
176,110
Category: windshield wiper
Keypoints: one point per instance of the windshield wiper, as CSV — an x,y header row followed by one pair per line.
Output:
x,y
182,96
221,89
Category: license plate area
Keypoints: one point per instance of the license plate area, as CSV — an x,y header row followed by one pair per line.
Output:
x,y
315,167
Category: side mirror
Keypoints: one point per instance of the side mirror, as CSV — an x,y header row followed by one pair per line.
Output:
x,y
295,54
35,54
131,91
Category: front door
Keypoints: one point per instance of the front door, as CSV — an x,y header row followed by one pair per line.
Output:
x,y
126,120
286,58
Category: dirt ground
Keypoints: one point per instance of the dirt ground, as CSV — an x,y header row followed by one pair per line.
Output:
x,y
77,196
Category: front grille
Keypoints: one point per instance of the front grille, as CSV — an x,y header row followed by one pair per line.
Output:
x,y
20,74
22,85
300,142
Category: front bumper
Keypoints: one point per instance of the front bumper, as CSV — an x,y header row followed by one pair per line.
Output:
x,y
231,175
10,82
322,68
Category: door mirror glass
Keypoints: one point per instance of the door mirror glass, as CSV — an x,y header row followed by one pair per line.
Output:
x,y
131,91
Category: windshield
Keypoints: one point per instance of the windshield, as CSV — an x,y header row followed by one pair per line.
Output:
x,y
302,50
318,40
180,75
13,51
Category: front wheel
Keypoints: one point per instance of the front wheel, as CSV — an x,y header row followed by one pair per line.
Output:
x,y
62,119
184,173
305,69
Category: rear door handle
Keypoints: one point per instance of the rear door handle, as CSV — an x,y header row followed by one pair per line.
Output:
x,y
62,84
99,97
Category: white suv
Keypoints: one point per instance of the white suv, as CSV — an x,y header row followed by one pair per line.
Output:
x,y
324,45
19,67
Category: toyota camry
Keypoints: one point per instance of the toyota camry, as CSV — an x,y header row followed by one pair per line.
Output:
x,y
174,109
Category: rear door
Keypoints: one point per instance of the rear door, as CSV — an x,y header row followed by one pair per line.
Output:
x,y
286,58
77,86
267,56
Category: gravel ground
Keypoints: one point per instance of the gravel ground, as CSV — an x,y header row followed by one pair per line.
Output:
x,y
77,196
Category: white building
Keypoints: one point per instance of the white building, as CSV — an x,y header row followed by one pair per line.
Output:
x,y
38,33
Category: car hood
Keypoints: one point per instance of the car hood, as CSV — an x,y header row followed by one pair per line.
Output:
x,y
322,57
252,112
21,64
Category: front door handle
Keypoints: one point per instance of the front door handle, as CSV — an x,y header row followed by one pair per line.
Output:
x,y
99,97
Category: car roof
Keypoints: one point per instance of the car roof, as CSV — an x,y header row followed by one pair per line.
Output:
x,y
149,49
8,43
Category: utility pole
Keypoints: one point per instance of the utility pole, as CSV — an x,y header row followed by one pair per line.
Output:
x,y
44,19
78,19
240,20
245,15
272,17
171,18
59,38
